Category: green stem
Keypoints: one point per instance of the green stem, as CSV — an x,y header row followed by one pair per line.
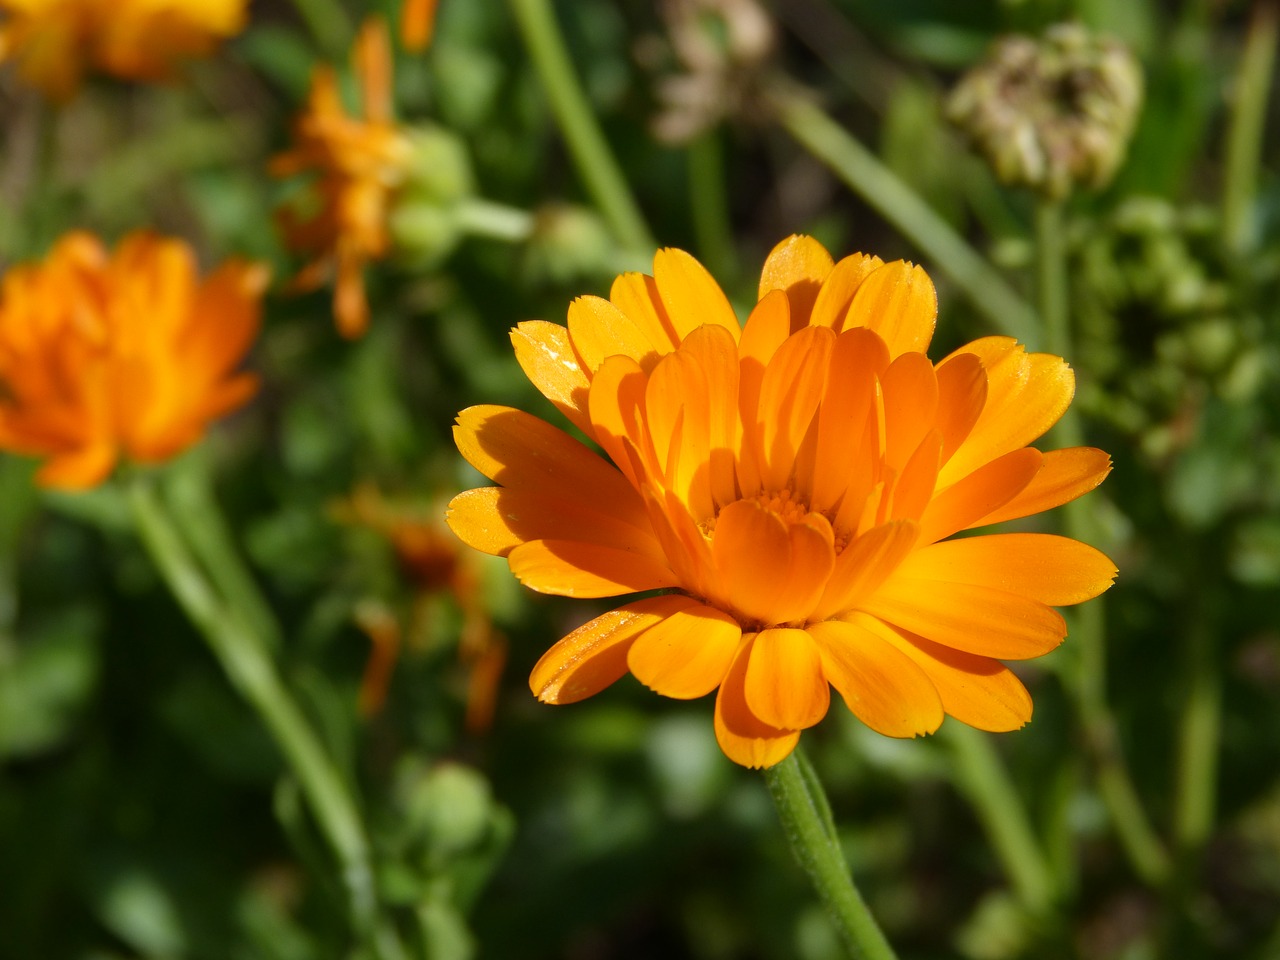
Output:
x,y
709,206
329,24
803,809
251,671
1198,740
885,192
497,221
1247,122
984,780
590,151
1133,828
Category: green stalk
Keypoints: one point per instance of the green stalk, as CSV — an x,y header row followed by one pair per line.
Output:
x,y
894,200
1137,837
249,667
805,814
1245,129
496,221
1198,739
595,162
709,206
329,25
984,780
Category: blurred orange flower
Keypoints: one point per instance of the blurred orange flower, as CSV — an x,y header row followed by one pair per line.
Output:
x,y
129,353
417,24
789,486
55,42
357,164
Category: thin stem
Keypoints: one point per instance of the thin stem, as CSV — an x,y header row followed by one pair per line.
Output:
x,y
251,671
590,151
803,809
885,192
1137,837
1198,739
1248,118
984,780
709,205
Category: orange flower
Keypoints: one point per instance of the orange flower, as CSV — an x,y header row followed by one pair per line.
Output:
x,y
790,486
129,353
358,163
417,24
56,41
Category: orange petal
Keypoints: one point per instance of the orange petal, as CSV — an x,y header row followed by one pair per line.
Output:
x,y
677,409
857,358
79,469
963,504
1055,570
417,24
910,405
546,356
1064,476
976,619
751,548
797,266
898,302
690,294
784,685
979,691
636,295
598,329
687,653
744,737
865,564
567,568
716,356
615,403
766,330
790,392
880,685
838,290
595,655
372,55
962,393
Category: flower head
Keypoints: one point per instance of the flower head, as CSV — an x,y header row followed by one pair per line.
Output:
x,y
789,486
129,353
56,41
358,162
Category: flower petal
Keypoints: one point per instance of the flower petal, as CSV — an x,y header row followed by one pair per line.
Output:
x,y
636,295
789,396
687,653
784,685
838,289
546,356
963,504
692,297
865,564
880,685
1064,476
744,737
595,655
797,266
598,329
898,302
567,568
751,548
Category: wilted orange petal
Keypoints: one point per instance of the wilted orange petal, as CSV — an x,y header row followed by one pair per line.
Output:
x,y
1064,476
977,495
744,737
898,302
595,655
567,568
784,685
690,294
881,686
1055,570
546,356
686,654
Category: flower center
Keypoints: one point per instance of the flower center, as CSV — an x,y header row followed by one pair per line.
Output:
x,y
790,509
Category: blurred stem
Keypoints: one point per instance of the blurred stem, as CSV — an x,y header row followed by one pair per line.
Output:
x,y
596,164
1198,738
1141,844
893,199
984,780
249,667
496,221
806,819
1248,117
709,205
329,24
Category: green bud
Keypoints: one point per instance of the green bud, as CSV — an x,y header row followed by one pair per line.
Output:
x,y
439,166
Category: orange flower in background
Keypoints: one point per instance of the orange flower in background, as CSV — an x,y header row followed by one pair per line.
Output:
x,y
417,24
123,354
790,487
357,164
55,42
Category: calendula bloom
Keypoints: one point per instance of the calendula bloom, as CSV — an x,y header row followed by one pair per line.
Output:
x,y
129,353
357,163
786,491
55,42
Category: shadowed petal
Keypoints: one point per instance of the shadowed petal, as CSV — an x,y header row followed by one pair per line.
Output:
x,y
1064,476
687,653
797,266
744,737
784,685
567,568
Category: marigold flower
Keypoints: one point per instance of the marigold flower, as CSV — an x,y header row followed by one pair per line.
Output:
x,y
358,164
130,353
56,41
790,486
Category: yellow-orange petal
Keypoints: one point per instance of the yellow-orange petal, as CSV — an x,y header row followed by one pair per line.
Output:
x,y
838,288
687,653
910,406
1054,570
78,469
598,330
1063,476
417,24
751,549
691,295
790,393
979,494
899,303
797,266
880,685
636,295
714,352
976,619
566,568
595,655
962,393
744,737
979,691
865,564
784,685
546,356
841,464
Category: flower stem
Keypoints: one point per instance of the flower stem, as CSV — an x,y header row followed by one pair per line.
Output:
x,y
709,205
885,192
984,780
596,164
1137,837
249,667
496,221
1247,122
805,814
1198,738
